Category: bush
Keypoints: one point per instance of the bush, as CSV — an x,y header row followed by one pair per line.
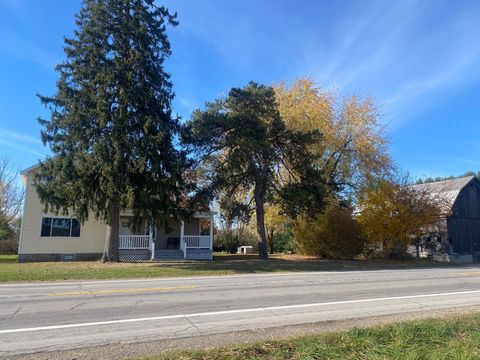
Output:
x,y
332,234
230,240
8,247
283,242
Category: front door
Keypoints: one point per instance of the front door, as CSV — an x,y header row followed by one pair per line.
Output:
x,y
173,243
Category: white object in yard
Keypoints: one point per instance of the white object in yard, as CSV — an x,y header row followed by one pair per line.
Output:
x,y
245,250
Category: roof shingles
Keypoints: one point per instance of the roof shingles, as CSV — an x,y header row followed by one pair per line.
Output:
x,y
447,190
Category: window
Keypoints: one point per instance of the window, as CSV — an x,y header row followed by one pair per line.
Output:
x,y
204,226
46,227
60,227
75,228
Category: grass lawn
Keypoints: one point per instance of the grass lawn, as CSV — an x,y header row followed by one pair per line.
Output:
x,y
446,338
10,270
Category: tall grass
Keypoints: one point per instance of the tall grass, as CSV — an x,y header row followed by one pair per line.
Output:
x,y
432,339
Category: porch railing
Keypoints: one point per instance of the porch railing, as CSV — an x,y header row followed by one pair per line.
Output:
x,y
134,242
198,241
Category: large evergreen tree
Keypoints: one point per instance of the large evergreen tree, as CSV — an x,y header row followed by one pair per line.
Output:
x,y
111,128
252,158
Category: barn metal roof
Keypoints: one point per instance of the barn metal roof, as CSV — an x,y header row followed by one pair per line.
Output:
x,y
447,190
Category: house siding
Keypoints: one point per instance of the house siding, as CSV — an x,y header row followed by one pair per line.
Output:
x,y
92,232
90,244
191,227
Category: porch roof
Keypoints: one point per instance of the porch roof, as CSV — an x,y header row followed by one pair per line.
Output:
x,y
197,215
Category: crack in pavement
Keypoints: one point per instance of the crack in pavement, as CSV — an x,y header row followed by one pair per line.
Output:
x,y
195,326
10,317
183,330
76,306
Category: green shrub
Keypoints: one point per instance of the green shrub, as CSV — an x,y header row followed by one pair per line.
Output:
x,y
8,247
283,242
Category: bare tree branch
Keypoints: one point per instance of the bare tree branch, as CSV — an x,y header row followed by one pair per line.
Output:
x,y
11,193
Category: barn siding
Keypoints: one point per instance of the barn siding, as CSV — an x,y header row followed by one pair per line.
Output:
x,y
467,204
464,223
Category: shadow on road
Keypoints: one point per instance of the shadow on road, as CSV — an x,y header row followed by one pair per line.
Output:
x,y
250,264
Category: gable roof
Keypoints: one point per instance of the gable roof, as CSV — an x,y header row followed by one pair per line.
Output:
x,y
447,190
27,170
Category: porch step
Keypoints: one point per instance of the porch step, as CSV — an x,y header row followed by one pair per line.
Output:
x,y
168,255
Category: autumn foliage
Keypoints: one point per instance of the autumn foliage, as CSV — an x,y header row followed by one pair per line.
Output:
x,y
335,233
393,214
353,147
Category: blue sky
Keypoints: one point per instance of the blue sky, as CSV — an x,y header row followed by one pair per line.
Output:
x,y
420,61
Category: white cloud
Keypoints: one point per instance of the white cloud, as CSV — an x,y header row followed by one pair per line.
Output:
x,y
401,51
21,142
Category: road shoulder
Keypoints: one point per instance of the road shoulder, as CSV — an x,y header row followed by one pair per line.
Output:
x,y
136,349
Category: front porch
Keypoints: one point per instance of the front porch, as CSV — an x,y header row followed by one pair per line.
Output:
x,y
190,240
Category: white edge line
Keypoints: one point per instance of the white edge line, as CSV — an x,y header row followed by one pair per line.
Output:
x,y
237,311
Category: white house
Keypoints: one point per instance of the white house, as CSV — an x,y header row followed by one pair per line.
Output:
x,y
50,237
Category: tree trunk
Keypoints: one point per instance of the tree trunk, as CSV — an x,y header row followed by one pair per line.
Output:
x,y
260,212
110,253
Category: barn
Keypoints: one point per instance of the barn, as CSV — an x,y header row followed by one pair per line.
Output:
x,y
457,237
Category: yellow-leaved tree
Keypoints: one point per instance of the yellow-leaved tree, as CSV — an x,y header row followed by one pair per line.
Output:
x,y
393,214
353,149
354,146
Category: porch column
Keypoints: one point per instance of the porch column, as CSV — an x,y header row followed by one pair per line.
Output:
x,y
211,232
182,242
152,243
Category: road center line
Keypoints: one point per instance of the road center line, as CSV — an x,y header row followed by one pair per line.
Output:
x,y
237,311
120,291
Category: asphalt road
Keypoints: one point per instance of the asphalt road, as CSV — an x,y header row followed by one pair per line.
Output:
x,y
41,317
